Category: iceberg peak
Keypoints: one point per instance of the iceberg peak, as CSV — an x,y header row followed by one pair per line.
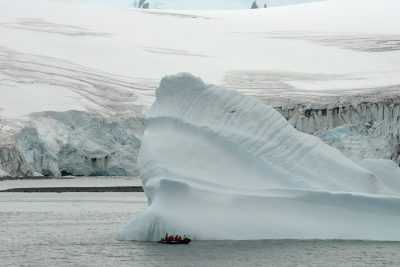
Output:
x,y
182,83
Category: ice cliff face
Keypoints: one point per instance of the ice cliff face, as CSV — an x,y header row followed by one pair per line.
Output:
x,y
82,143
219,165
360,126
12,162
72,143
3,173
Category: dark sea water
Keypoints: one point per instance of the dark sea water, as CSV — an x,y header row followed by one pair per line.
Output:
x,y
76,229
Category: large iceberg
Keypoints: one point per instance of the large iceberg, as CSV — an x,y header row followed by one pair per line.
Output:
x,y
217,165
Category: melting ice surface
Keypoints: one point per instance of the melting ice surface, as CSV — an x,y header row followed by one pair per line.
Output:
x,y
219,165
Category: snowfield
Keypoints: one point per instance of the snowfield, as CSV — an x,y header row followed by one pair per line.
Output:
x,y
104,63
238,170
99,57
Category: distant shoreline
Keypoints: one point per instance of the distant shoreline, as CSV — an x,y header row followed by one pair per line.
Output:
x,y
10,178
134,189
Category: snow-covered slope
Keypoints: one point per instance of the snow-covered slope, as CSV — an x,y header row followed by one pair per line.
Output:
x,y
107,60
191,4
218,165
98,57
218,4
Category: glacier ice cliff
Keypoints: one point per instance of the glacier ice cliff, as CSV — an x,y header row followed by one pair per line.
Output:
x,y
361,126
219,165
3,173
12,162
74,143
92,143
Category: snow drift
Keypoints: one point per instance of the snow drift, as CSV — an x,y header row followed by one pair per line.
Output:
x,y
219,165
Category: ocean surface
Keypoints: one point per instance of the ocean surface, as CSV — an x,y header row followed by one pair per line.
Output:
x,y
79,229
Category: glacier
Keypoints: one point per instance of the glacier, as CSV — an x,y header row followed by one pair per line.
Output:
x,y
61,56
218,165
361,127
69,143
3,173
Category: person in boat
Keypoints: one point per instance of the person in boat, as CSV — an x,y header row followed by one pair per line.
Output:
x,y
177,239
170,238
